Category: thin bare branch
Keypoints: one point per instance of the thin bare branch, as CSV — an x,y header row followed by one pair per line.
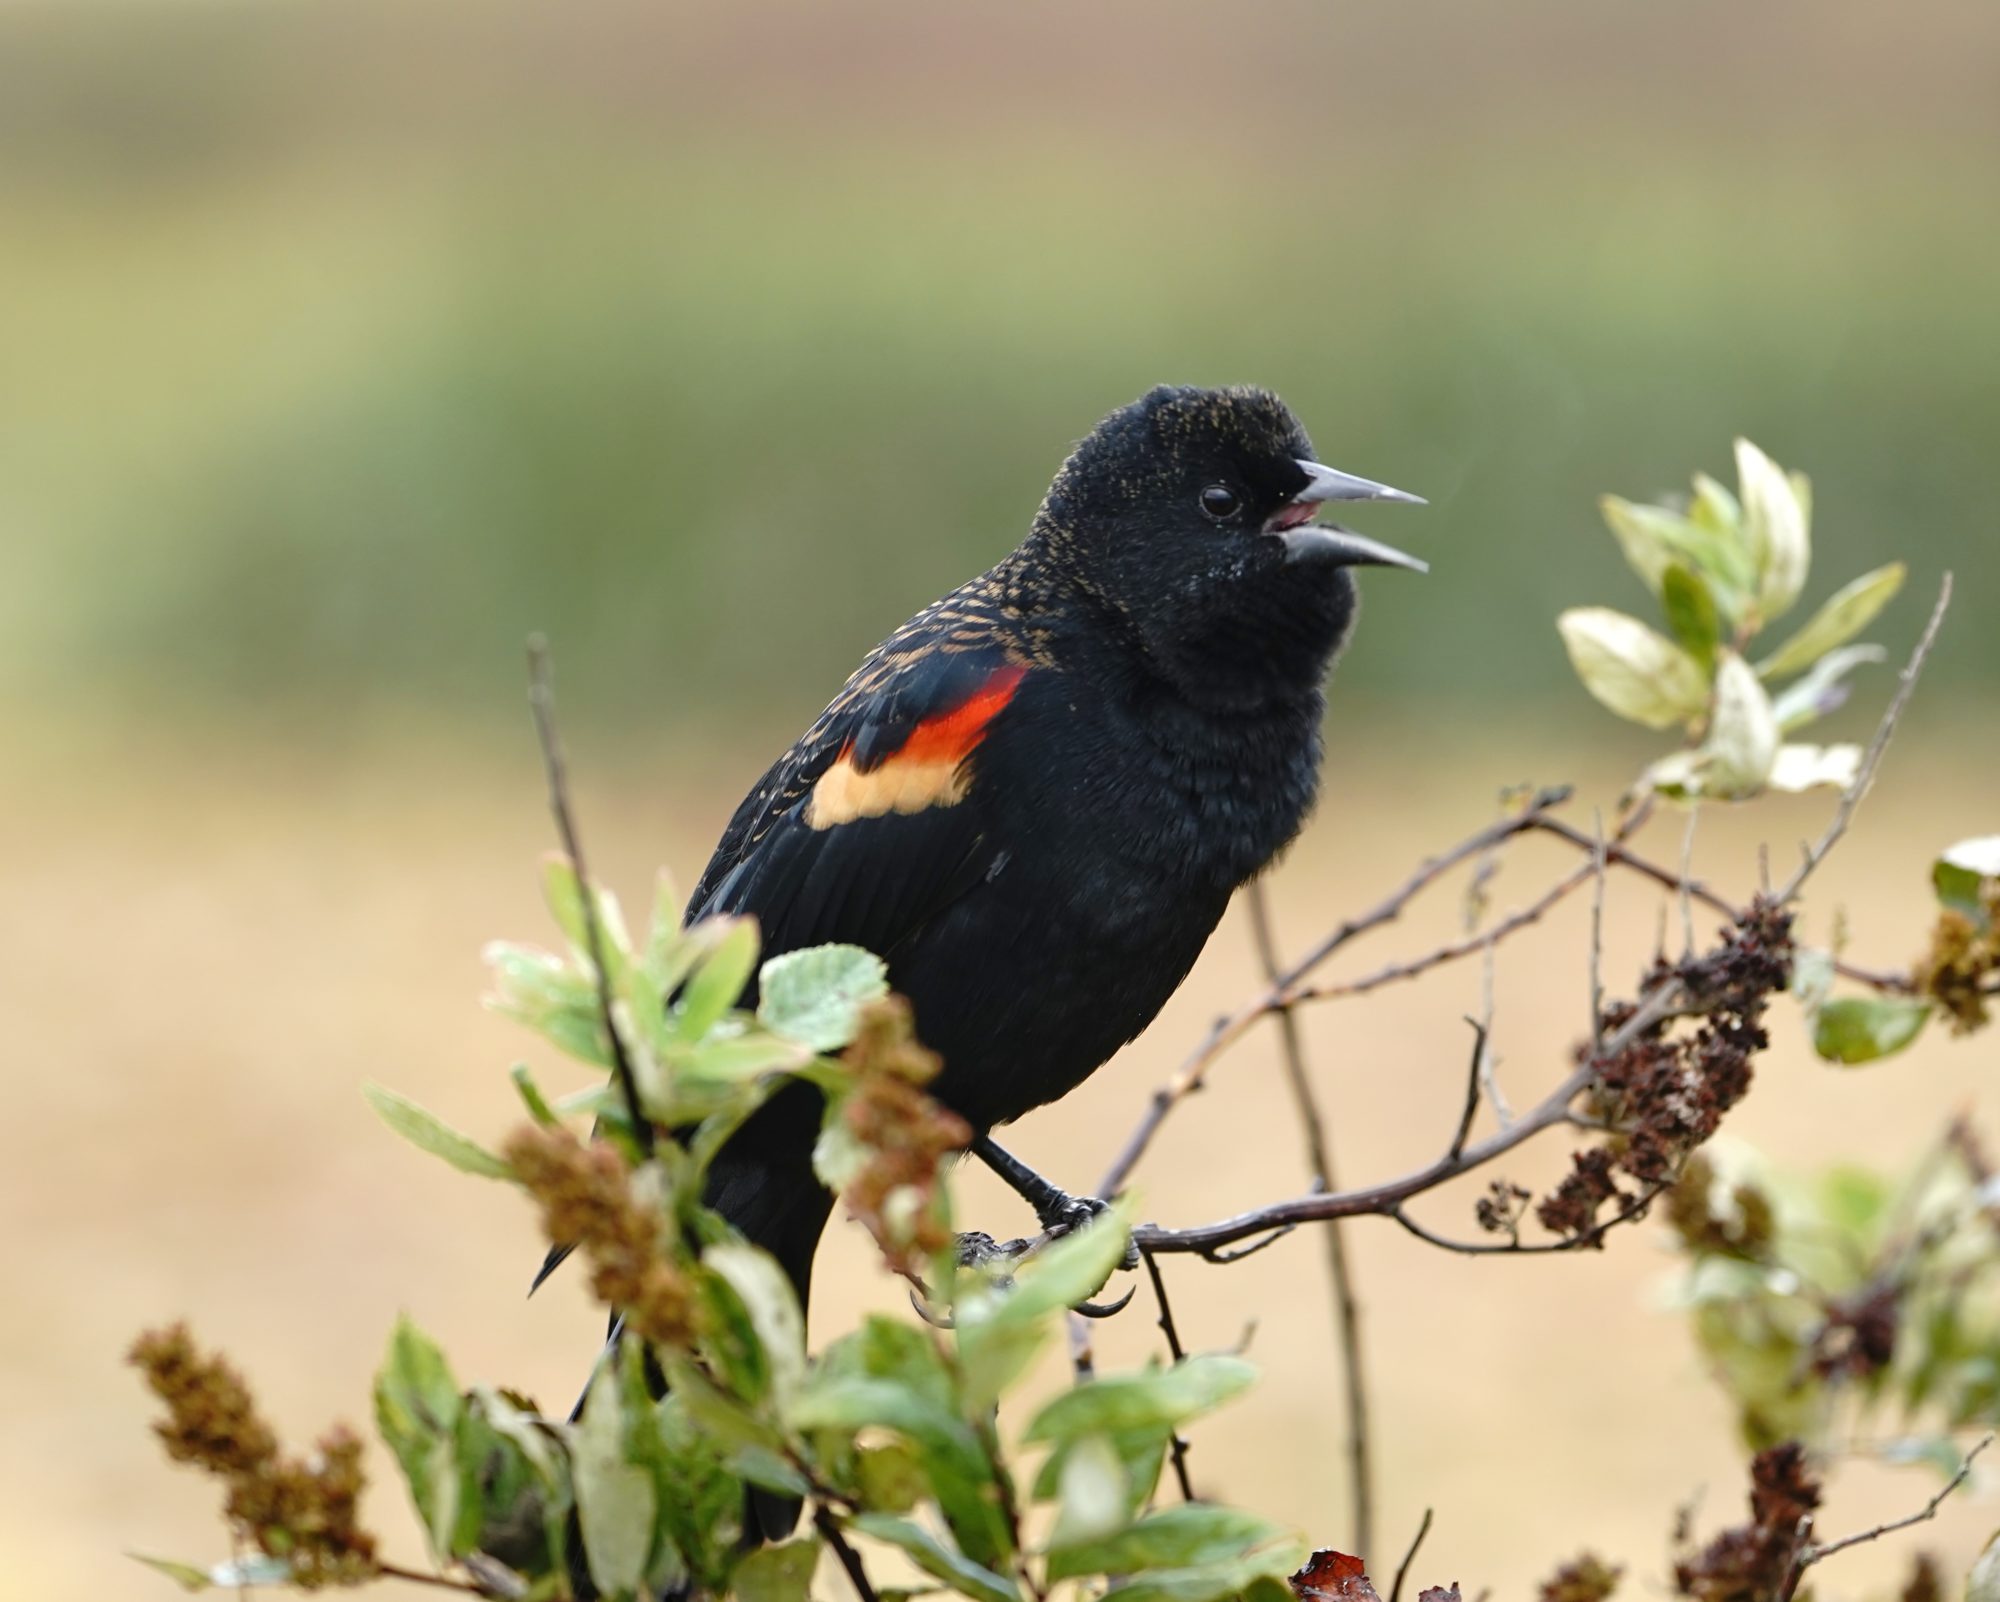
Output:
x,y
1339,1271
1230,1028
1850,798
1409,1557
1663,1001
1818,1554
542,702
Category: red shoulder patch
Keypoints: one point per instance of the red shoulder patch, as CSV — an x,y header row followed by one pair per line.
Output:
x,y
925,771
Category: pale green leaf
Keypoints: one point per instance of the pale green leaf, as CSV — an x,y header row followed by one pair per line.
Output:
x,y
1000,1328
816,995
238,1574
1863,1028
1807,767
781,1573
1742,738
428,1132
1094,1493
937,1559
767,1296
616,1502
1960,872
531,1095
1849,611
1162,1398
1191,1535
1653,537
1225,1576
417,1411
717,984
1637,673
1774,530
1812,977
1822,688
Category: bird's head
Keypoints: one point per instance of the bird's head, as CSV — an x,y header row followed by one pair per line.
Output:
x,y
1195,514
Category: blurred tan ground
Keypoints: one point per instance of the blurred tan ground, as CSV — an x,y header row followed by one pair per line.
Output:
x,y
207,948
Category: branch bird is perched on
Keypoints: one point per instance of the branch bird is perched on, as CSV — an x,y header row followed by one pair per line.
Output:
x,y
1036,797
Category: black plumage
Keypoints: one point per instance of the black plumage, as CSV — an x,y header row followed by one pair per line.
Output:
x,y
1152,658
1037,796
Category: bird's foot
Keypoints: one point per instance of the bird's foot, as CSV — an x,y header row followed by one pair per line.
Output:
x,y
1056,1209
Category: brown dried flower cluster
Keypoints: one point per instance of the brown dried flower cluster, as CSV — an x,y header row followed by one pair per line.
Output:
x,y
586,1197
906,1133
307,1513
1962,961
1751,1562
1666,1092
1585,1578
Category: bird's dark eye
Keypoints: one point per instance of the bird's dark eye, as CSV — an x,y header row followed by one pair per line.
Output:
x,y
1219,502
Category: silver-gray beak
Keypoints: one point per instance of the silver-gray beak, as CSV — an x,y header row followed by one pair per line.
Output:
x,y
1341,547
1325,483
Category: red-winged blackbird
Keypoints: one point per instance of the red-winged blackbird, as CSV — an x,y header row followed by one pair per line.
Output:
x,y
1036,797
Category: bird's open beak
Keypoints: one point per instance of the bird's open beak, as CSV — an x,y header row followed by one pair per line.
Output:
x,y
1322,542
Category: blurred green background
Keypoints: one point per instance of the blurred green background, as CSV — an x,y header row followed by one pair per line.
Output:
x,y
343,344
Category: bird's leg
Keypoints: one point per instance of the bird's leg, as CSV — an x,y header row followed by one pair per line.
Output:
x,y
1055,1208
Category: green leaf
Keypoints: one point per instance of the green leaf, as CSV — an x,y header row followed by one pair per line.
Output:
x,y
816,995
531,1095
1637,673
1849,612
1095,1493
1653,537
938,1560
533,1444
780,1573
1774,529
1001,1329
616,1502
1742,738
717,984
960,1473
1809,767
1142,1453
240,1574
539,989
1822,688
565,900
1165,1397
1226,1577
767,1296
1859,1029
1960,872
417,1412
1691,611
1192,1535
1716,509
430,1133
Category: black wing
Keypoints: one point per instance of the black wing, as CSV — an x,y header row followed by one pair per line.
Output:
x,y
873,823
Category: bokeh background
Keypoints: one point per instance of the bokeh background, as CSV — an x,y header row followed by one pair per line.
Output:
x,y
342,344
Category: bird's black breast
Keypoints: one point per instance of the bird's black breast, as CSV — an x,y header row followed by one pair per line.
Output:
x,y
1123,821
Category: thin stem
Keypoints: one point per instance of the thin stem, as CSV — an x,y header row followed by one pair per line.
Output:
x,y
1817,1554
390,1571
541,701
1409,1557
1339,1270
1176,1444
1850,798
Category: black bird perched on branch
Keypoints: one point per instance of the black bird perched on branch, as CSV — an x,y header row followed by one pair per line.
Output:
x,y
1035,798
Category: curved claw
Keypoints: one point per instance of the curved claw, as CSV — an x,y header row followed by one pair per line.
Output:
x,y
923,1311
1105,1309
